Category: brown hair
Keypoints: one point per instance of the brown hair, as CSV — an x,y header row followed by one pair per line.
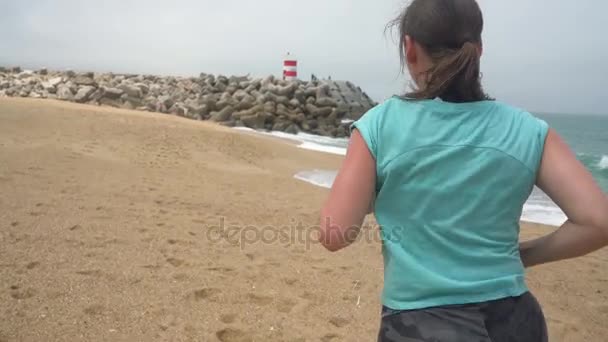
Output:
x,y
450,32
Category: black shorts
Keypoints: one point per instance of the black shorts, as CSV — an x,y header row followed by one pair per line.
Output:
x,y
514,319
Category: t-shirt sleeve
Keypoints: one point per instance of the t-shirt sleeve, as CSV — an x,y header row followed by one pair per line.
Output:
x,y
367,126
540,130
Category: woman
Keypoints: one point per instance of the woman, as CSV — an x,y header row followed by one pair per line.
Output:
x,y
447,171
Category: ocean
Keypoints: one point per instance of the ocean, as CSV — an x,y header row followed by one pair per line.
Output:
x,y
587,135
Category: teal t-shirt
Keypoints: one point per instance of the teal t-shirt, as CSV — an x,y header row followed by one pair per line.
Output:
x,y
452,179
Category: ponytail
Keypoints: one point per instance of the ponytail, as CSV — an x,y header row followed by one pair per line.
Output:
x,y
455,76
450,33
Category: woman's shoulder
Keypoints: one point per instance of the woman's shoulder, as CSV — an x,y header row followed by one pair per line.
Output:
x,y
388,107
523,116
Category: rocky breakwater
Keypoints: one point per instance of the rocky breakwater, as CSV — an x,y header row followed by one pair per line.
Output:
x,y
318,107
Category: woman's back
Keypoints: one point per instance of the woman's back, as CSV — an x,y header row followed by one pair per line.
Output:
x,y
448,181
451,180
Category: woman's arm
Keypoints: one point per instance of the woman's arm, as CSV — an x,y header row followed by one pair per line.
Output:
x,y
351,197
571,186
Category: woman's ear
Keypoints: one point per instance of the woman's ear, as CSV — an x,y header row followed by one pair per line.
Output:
x,y
409,46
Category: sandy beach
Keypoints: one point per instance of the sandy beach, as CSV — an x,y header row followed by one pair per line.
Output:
x,y
119,225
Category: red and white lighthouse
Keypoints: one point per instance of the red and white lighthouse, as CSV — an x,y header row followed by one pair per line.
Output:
x,y
290,67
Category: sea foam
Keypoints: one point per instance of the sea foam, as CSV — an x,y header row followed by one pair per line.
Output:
x,y
603,164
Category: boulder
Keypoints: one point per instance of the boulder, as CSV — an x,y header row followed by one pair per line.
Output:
x,y
275,98
300,96
166,101
294,103
53,82
96,95
270,107
222,80
223,115
127,105
238,79
145,89
83,94
312,124
287,90
24,74
251,111
65,93
326,102
322,91
25,92
130,90
245,103
255,121
134,101
201,111
231,89
292,129
109,102
281,125
229,123
83,80
43,71
316,111
112,93
178,109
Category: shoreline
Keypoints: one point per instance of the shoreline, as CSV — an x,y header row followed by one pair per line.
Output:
x,y
110,220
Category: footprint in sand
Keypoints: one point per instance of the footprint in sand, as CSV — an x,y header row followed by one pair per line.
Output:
x,y
290,281
94,310
90,273
181,277
221,269
22,294
32,265
339,322
330,338
567,329
286,305
259,300
324,270
206,294
233,335
14,224
228,318
175,262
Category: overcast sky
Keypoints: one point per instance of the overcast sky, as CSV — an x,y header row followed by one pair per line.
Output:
x,y
545,56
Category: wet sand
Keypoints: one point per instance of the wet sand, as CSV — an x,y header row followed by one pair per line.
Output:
x,y
111,230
